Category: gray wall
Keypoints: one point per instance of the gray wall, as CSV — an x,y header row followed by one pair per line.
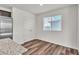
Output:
x,y
68,36
78,26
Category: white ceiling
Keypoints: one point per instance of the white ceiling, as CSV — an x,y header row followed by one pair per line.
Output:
x,y
35,8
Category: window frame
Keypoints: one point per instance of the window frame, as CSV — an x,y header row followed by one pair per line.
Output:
x,y
51,24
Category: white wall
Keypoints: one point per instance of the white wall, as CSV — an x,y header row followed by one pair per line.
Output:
x,y
23,25
5,9
67,37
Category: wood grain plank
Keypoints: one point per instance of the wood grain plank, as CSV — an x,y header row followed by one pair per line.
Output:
x,y
39,47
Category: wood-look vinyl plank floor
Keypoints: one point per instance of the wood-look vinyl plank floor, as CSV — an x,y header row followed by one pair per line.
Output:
x,y
39,47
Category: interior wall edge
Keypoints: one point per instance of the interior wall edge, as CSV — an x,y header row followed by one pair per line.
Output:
x,y
5,9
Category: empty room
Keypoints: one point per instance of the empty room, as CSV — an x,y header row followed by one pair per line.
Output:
x,y
39,29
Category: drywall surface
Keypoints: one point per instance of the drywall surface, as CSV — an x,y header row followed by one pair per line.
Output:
x,y
23,25
68,35
78,26
5,9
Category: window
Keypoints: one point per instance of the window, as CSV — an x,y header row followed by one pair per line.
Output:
x,y
53,23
